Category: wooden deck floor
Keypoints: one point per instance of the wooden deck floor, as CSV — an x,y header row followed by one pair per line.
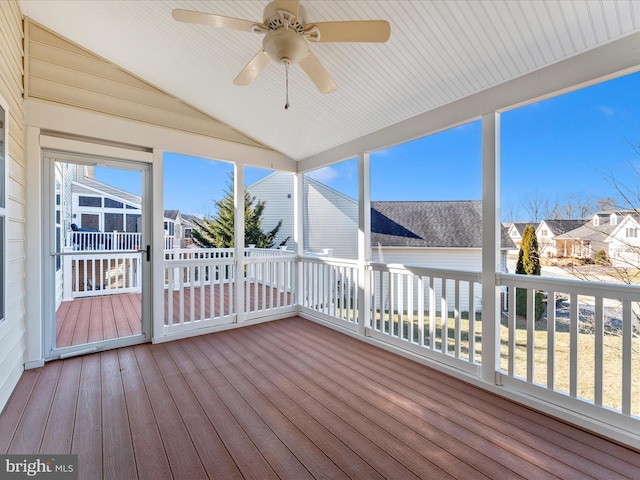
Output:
x,y
287,399
93,319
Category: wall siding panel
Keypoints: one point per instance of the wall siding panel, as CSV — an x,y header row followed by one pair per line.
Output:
x,y
12,330
62,72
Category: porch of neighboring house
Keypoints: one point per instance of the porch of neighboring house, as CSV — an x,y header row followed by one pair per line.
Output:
x,y
288,399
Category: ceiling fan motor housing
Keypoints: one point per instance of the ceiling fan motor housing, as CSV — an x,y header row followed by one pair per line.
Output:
x,y
285,45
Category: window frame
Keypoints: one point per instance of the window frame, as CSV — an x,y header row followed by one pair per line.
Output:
x,y
4,154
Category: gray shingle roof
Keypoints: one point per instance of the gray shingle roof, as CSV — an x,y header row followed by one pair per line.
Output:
x,y
453,224
559,227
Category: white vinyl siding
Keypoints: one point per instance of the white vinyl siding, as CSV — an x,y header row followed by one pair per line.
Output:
x,y
330,218
12,330
62,72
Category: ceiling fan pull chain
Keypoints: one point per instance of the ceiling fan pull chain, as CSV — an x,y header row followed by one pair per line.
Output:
x,y
286,67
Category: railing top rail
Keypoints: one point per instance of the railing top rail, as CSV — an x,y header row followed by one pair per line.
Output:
x,y
579,287
199,262
270,259
465,275
329,260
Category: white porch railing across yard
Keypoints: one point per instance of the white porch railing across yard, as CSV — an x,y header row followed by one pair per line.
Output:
x,y
330,289
269,284
432,312
103,240
587,348
93,274
199,293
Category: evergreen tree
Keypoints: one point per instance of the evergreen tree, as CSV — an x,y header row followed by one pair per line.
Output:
x,y
528,264
218,232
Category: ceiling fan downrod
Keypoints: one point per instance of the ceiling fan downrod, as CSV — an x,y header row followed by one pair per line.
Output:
x,y
286,83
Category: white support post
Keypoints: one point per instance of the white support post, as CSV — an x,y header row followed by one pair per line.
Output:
x,y
364,242
157,254
298,236
491,242
238,229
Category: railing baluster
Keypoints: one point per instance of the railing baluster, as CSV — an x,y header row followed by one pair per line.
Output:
x,y
444,316
573,346
598,351
531,320
512,331
456,319
432,313
627,336
472,322
551,339
420,294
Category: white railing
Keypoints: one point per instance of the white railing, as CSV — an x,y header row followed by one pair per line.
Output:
x,y
198,293
432,312
330,288
586,347
197,253
92,274
103,240
269,284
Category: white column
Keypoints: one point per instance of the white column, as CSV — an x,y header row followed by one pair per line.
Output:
x,y
298,235
491,240
157,242
35,350
238,228
364,241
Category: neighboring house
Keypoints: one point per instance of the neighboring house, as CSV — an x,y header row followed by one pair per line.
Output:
x,y
186,226
586,240
515,231
548,230
443,234
624,242
330,217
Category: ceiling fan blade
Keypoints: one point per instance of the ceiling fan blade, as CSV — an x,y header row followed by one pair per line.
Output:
x,y
350,31
253,68
292,6
317,73
189,16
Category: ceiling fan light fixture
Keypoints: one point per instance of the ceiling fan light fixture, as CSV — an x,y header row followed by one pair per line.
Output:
x,y
286,44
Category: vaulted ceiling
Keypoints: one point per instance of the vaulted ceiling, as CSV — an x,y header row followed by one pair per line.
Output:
x,y
439,52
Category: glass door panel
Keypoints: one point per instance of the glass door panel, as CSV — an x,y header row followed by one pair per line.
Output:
x,y
99,263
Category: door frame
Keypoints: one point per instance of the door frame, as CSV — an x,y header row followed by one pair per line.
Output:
x,y
97,155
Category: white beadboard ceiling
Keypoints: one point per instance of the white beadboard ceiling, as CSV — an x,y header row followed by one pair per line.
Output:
x,y
439,51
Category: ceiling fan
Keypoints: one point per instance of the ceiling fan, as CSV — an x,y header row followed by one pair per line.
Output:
x,y
287,34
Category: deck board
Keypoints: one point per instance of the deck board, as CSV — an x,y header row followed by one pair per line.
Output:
x,y
288,399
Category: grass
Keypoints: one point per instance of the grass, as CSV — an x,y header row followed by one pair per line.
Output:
x,y
612,354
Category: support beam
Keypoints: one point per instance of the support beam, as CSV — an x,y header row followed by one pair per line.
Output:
x,y
491,242
298,234
364,241
238,229
157,252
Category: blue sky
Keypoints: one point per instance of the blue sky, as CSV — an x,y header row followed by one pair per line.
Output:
x,y
555,149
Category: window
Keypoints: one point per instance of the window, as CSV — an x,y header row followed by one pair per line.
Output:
x,y
90,220
632,232
111,203
543,233
113,222
596,221
3,210
613,219
133,223
89,201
